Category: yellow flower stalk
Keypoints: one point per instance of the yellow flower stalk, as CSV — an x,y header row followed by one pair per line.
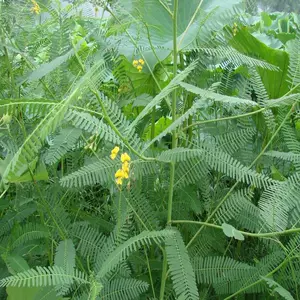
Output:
x,y
122,173
36,8
125,166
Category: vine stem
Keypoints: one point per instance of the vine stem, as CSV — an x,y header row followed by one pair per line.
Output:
x,y
250,234
174,145
235,185
225,119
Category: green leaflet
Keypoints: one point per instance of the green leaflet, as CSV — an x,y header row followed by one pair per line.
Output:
x,y
230,231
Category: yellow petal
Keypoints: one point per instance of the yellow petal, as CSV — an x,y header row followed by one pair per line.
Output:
x,y
141,61
125,157
125,166
115,150
119,181
135,63
119,174
113,156
126,175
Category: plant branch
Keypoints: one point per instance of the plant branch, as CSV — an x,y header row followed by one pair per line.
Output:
x,y
245,233
225,118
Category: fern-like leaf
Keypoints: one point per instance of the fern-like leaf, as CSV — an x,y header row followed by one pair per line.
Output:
x,y
61,144
44,276
181,270
124,250
123,288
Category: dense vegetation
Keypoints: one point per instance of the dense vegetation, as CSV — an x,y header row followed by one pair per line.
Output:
x,y
149,150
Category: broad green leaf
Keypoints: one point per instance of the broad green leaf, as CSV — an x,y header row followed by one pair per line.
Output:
x,y
266,19
159,23
275,82
39,174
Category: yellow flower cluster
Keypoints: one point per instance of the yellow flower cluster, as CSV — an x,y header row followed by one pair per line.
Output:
x,y
138,64
36,8
122,173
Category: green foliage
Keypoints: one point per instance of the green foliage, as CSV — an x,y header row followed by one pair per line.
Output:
x,y
181,270
148,151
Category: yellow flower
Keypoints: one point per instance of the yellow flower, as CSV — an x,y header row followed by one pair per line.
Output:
x,y
141,61
125,157
114,152
119,174
140,68
119,181
125,166
36,8
113,156
135,63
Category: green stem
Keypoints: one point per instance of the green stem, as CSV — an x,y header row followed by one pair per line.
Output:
x,y
155,54
153,123
174,106
78,57
150,274
190,23
171,189
174,145
166,8
190,120
224,119
235,185
163,276
10,73
245,233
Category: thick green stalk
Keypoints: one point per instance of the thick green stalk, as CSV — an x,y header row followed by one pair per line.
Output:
x,y
190,120
174,105
163,276
174,145
171,190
